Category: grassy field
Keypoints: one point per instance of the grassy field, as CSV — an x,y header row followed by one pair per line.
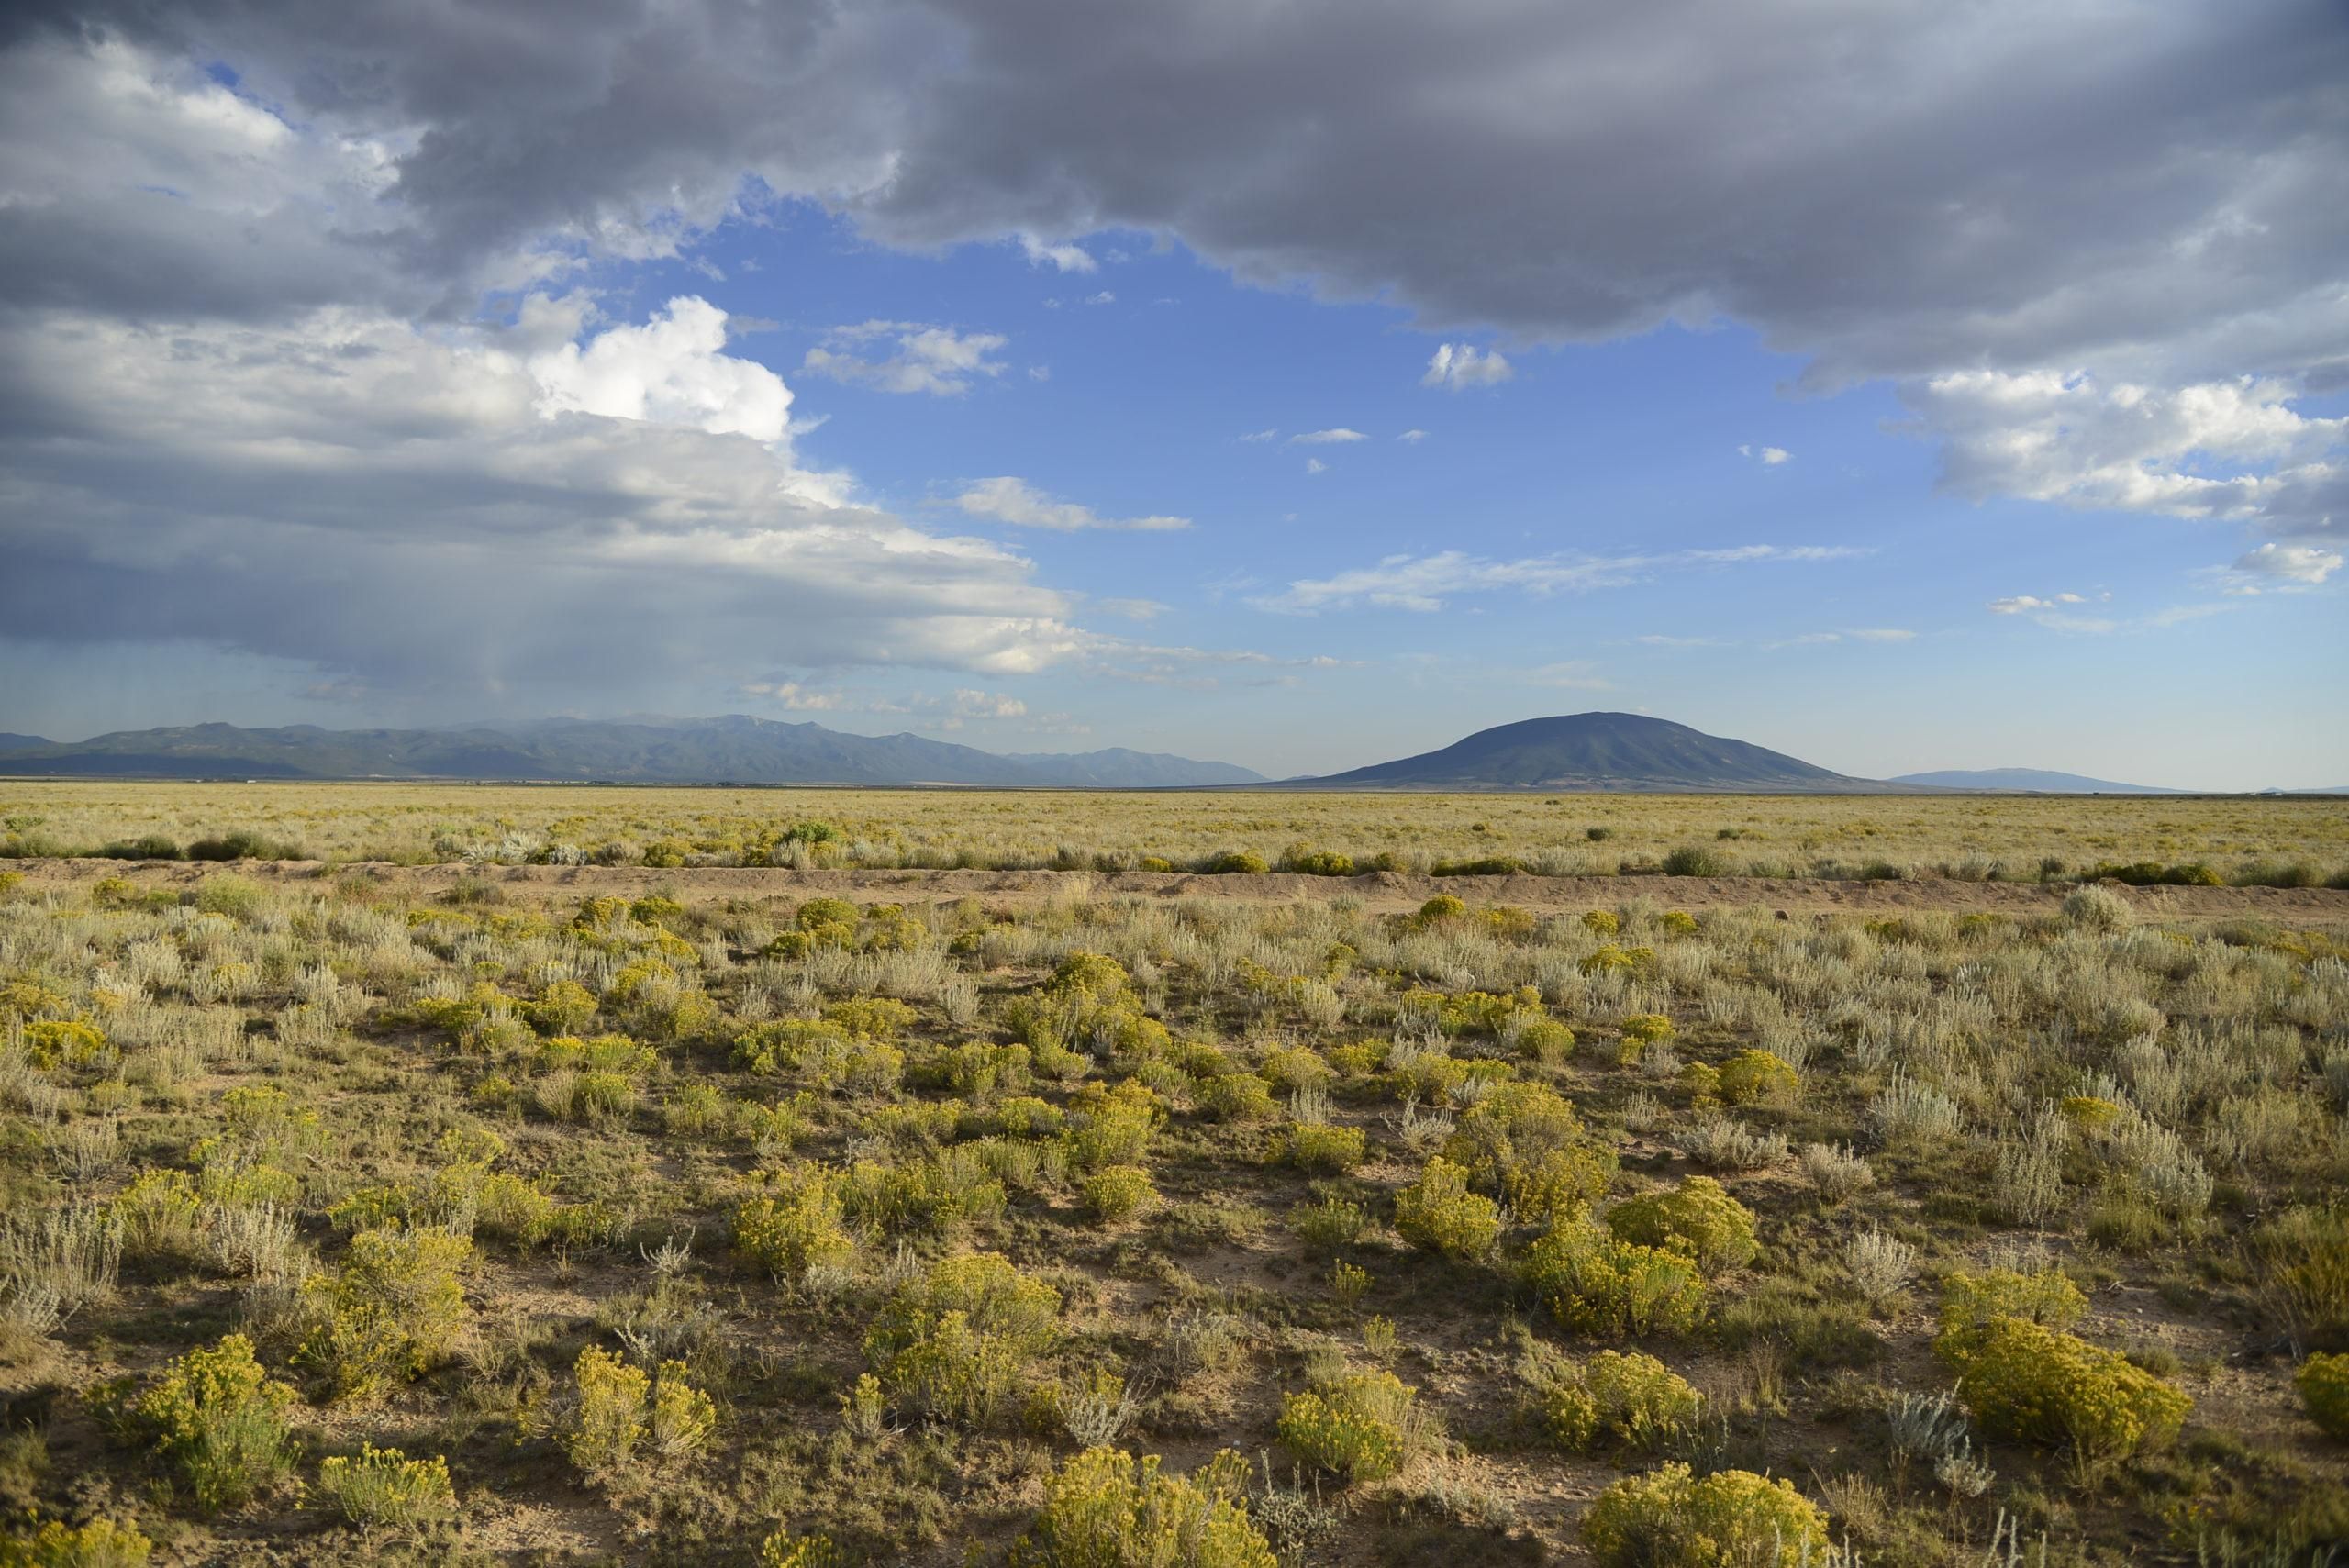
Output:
x,y
364,1213
2297,842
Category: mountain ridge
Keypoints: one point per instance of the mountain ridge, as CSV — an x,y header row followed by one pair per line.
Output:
x,y
728,748
2047,781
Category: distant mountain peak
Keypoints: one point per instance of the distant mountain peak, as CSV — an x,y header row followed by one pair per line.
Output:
x,y
1599,752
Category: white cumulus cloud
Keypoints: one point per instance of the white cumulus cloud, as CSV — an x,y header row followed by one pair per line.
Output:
x,y
916,357
1008,499
1456,367
2300,564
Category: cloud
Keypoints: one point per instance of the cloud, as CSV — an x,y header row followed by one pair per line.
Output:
x,y
2176,220
1456,367
934,359
1666,639
966,705
1882,634
2024,603
1769,457
1427,583
1260,435
1414,437
470,509
1197,669
1335,436
2230,449
669,372
2291,563
1132,609
1315,465
1006,499
1103,298
1060,258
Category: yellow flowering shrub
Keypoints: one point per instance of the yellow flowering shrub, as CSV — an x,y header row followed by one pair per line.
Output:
x,y
1361,1426
222,1422
1599,1284
1107,1509
393,1310
1438,1212
958,1341
1621,1400
2323,1382
1697,1217
1669,1518
1754,1075
384,1486
2022,1380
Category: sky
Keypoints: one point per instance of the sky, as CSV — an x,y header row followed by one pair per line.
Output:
x,y
1901,385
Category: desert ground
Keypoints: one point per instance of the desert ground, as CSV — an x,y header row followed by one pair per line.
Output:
x,y
563,1175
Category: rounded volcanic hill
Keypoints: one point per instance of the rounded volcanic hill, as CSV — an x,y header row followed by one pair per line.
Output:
x,y
1598,751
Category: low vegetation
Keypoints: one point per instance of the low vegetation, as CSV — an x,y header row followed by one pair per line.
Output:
x,y
378,1216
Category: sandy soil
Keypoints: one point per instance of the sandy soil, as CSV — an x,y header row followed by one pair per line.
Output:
x,y
1377,890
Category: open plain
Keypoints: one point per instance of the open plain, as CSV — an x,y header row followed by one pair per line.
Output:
x,y
471,1190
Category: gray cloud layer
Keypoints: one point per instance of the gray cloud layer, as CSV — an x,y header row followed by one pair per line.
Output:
x,y
2158,187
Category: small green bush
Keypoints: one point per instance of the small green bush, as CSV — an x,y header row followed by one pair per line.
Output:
x,y
1107,1509
1228,862
1630,1400
384,1486
1440,1213
2323,1382
1697,1217
1695,859
2304,1253
1732,1519
1331,1224
222,1422
1362,1426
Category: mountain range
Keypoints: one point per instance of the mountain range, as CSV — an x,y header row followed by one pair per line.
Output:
x,y
1581,751
732,749
2040,779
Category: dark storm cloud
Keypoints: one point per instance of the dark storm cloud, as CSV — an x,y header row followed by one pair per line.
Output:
x,y
1895,188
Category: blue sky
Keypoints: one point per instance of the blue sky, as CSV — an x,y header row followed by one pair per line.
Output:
x,y
489,467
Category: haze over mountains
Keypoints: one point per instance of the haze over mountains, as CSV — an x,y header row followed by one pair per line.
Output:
x,y
2040,779
1583,751
732,749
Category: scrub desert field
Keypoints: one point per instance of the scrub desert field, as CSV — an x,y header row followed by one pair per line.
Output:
x,y
443,1174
